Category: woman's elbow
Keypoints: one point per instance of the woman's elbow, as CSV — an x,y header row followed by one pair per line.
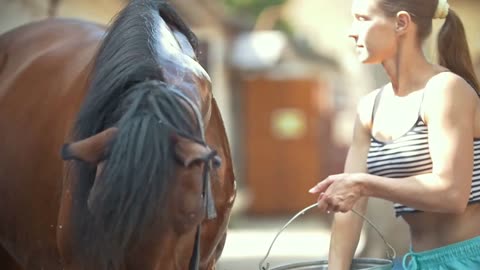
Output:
x,y
456,202
458,208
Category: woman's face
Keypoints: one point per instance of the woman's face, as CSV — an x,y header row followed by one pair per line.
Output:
x,y
373,32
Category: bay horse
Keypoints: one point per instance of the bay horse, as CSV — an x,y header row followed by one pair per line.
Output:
x,y
113,152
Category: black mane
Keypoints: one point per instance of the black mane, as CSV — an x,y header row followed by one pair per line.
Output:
x,y
126,57
126,91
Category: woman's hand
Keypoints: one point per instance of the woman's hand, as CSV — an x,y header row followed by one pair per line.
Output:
x,y
340,192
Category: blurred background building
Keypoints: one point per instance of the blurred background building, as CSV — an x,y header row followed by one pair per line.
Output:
x,y
287,81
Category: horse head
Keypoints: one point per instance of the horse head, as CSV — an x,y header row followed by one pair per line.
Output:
x,y
142,187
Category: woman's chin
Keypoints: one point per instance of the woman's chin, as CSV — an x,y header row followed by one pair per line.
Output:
x,y
367,60
362,57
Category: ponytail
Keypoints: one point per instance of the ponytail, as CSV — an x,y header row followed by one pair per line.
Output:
x,y
453,51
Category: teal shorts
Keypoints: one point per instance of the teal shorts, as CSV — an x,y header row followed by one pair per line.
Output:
x,y
463,255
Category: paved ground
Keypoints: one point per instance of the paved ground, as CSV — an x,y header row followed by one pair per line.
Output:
x,y
245,249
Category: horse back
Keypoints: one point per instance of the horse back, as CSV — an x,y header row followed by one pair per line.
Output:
x,y
44,69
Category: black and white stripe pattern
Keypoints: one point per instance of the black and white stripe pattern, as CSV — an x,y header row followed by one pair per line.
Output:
x,y
409,155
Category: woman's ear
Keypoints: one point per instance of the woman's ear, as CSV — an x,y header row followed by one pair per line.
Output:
x,y
403,22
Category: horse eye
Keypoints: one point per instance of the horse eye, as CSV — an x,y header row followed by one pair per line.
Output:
x,y
196,163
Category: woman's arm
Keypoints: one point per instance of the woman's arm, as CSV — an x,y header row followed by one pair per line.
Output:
x,y
346,227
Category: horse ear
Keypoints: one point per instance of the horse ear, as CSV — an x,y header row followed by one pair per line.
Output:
x,y
188,151
91,149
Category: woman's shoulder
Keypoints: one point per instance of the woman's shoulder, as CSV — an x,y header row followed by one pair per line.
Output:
x,y
451,86
447,82
449,90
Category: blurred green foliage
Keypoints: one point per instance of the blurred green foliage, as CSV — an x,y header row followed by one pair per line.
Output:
x,y
251,7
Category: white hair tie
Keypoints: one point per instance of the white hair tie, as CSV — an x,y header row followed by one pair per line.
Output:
x,y
442,10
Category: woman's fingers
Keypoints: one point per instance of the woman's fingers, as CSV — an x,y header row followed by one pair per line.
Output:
x,y
321,186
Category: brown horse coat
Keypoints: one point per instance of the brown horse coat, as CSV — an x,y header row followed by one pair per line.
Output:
x,y
45,69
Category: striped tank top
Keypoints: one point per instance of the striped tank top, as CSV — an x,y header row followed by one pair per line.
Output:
x,y
409,155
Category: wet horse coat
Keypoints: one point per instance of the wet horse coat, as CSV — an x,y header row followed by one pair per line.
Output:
x,y
50,74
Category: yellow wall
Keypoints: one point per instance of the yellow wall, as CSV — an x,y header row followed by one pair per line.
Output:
x,y
16,13
469,13
100,11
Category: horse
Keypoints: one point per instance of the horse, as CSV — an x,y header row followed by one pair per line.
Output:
x,y
113,151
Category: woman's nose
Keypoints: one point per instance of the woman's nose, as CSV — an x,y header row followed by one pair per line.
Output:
x,y
354,36
353,33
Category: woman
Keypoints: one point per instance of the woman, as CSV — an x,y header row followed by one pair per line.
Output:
x,y
416,140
